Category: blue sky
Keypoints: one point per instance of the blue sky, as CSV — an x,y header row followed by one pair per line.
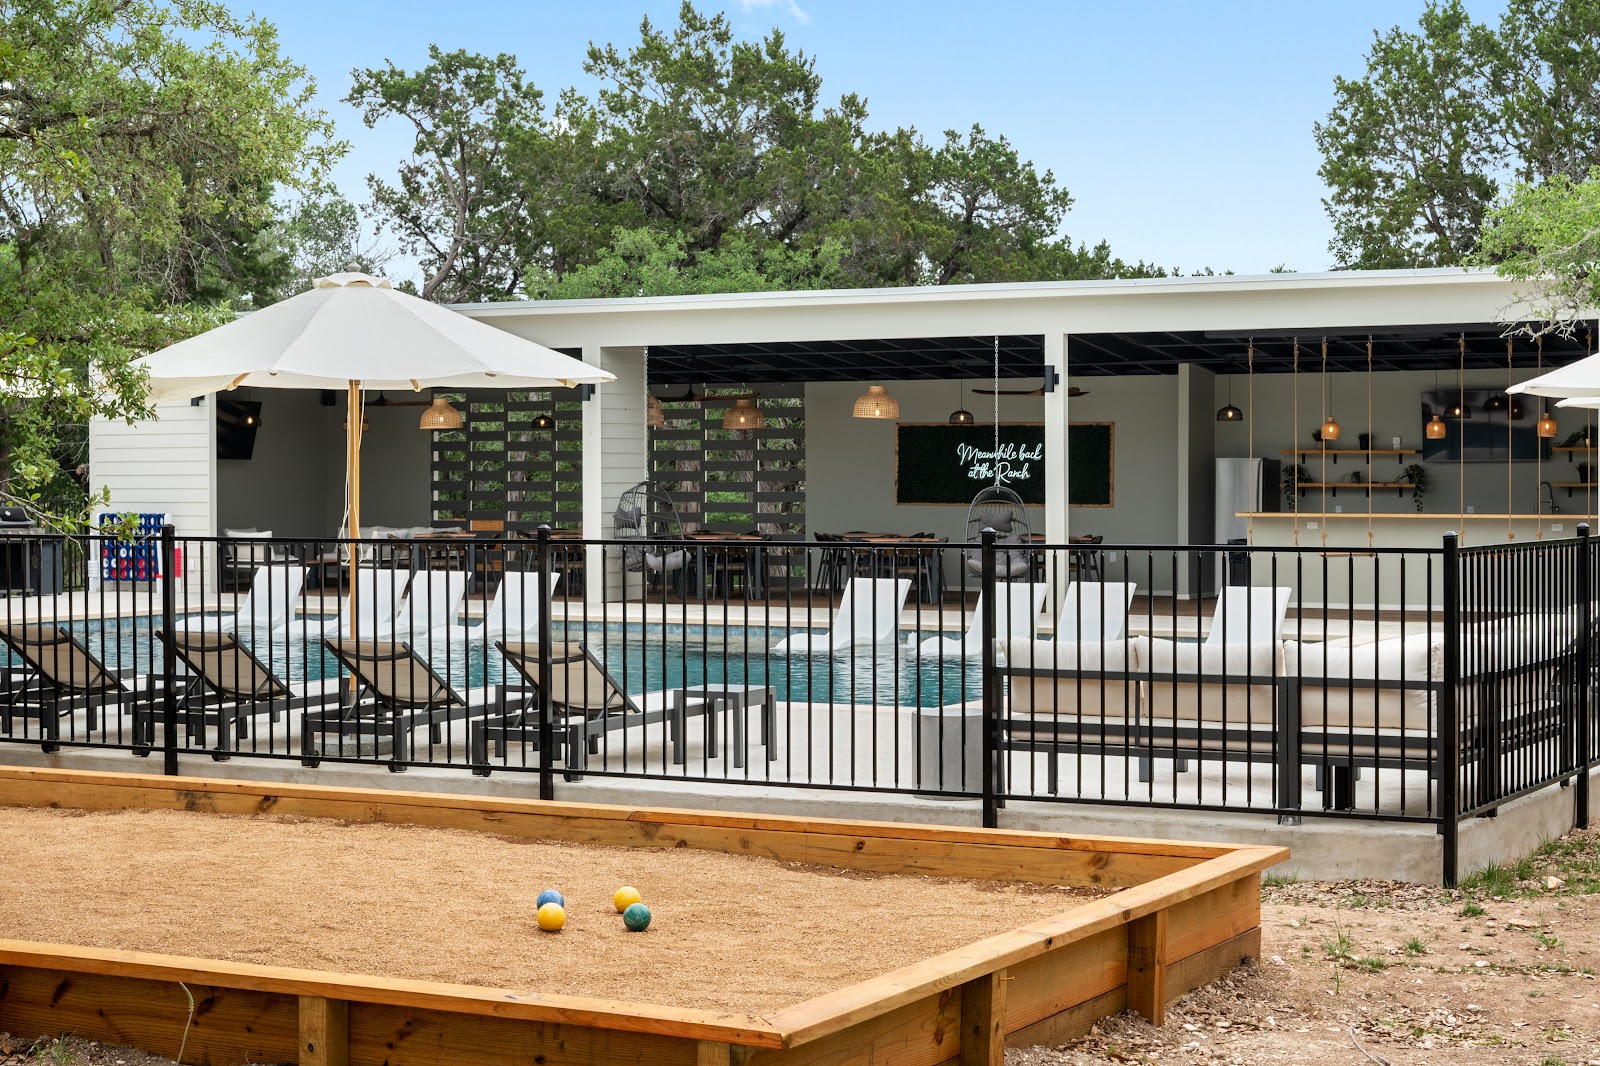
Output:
x,y
1182,129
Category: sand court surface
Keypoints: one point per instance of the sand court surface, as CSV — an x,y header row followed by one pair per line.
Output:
x,y
734,933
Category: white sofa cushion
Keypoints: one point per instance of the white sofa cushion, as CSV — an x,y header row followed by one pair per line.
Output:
x,y
1325,703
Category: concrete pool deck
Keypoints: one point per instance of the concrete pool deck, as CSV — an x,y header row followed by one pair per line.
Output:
x,y
1104,792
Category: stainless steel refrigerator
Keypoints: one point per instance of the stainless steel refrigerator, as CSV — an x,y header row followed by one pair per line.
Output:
x,y
1244,485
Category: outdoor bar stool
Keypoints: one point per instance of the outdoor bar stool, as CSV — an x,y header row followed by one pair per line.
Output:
x,y
723,562
1084,563
832,563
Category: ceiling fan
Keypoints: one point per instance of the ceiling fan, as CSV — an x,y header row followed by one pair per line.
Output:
x,y
690,396
1073,392
381,400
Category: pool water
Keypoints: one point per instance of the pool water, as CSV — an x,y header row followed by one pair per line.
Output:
x,y
640,657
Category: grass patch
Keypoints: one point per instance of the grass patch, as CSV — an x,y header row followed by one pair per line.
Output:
x,y
1279,880
1414,947
1473,909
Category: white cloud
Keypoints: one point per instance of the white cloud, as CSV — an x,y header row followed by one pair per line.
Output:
x,y
795,11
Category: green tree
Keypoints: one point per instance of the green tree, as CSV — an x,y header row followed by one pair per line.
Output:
x,y
320,234
466,201
1416,150
140,142
1546,237
644,262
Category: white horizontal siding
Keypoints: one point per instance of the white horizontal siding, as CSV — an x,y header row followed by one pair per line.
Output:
x,y
166,465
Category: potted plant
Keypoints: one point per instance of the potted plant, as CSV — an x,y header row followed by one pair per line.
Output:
x,y
1419,482
1293,476
1365,440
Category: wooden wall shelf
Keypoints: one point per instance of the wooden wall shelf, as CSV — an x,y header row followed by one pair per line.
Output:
x,y
1333,487
1575,448
1335,453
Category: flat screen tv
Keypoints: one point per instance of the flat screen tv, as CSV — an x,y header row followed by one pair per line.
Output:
x,y
237,422
1490,426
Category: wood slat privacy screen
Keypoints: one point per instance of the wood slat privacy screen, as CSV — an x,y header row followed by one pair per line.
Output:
x,y
937,463
498,468
736,481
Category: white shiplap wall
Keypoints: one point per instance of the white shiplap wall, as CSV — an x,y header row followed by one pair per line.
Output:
x,y
168,465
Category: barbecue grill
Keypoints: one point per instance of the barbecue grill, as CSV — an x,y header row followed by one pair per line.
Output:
x,y
30,558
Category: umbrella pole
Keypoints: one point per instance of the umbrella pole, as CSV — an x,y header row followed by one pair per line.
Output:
x,y
352,460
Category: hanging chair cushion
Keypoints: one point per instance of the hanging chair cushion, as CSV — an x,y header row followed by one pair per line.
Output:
x,y
997,520
666,563
626,516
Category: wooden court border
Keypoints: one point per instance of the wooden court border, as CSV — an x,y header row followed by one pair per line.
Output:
x,y
1187,913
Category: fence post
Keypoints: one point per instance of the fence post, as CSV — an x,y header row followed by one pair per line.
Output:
x,y
1449,728
547,786
169,656
1583,708
990,688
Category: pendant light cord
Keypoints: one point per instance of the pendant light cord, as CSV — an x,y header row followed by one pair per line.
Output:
x,y
996,458
1250,429
1324,475
1461,443
1370,442
1294,456
1538,451
1510,470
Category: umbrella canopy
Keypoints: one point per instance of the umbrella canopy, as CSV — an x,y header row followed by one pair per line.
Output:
x,y
1575,379
357,331
354,327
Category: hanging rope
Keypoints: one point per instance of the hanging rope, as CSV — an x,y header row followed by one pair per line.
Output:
x,y
1323,476
1294,456
1250,428
996,459
1538,455
1461,436
1509,468
1370,441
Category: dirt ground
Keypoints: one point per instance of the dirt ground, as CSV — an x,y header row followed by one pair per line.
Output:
x,y
1355,973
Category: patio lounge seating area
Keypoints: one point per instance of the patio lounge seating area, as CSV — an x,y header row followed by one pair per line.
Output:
x,y
1253,700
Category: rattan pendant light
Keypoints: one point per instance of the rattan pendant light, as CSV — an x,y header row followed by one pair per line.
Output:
x,y
744,414
440,416
876,403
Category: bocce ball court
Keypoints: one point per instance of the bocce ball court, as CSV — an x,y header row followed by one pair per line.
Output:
x,y
331,926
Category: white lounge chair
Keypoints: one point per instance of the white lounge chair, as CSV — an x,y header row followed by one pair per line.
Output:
x,y
431,605
271,603
1016,616
1093,611
513,612
868,615
1249,614
375,609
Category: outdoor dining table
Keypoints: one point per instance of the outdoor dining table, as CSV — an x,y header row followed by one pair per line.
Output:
x,y
718,556
922,549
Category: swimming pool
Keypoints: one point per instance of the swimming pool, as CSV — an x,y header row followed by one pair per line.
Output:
x,y
642,657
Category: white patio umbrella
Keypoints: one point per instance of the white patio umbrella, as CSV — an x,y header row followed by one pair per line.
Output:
x,y
356,331
1574,380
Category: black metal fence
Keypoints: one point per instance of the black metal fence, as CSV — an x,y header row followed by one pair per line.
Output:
x,y
1429,685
